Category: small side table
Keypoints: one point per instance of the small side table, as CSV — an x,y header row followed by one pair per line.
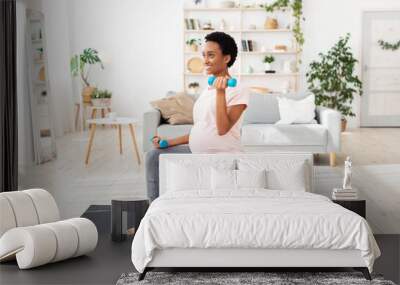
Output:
x,y
102,109
119,121
357,206
126,215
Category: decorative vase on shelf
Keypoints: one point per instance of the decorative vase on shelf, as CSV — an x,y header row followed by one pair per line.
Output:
x,y
285,87
271,24
222,25
343,124
106,102
86,93
101,102
268,67
193,90
193,47
289,66
96,102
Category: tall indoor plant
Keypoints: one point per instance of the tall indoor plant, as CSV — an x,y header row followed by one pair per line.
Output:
x,y
80,65
333,81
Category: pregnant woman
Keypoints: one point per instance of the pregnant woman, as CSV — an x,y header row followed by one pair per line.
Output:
x,y
217,113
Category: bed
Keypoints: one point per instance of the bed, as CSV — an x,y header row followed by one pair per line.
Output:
x,y
247,210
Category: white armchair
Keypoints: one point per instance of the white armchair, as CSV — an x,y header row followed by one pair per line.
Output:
x,y
31,231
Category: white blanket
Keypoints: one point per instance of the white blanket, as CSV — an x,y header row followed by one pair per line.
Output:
x,y
250,219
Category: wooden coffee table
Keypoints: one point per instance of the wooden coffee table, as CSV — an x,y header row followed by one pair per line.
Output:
x,y
118,122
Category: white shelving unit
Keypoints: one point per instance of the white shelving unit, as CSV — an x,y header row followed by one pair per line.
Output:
x,y
44,142
238,21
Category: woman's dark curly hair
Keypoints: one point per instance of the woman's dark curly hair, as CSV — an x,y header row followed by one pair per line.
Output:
x,y
226,43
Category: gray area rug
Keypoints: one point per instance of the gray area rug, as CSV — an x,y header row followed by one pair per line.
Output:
x,y
269,278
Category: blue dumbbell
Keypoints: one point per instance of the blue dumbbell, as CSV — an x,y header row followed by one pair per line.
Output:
x,y
231,81
162,143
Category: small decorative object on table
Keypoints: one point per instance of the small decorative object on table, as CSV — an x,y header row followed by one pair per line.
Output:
x,y
126,215
347,192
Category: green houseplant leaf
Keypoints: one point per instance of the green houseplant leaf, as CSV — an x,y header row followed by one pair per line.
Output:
x,y
79,62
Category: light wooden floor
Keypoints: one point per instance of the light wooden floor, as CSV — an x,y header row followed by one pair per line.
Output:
x,y
375,154
368,146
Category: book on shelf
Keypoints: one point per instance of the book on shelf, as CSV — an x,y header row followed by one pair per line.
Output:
x,y
187,24
192,24
250,45
247,45
244,45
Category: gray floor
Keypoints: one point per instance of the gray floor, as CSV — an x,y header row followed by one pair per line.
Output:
x,y
103,266
110,260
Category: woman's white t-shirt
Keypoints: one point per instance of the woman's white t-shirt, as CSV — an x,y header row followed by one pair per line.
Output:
x,y
204,136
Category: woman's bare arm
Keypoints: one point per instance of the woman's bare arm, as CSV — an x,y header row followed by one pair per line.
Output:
x,y
171,142
179,140
226,116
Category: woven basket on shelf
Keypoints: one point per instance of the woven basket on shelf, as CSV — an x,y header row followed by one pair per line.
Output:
x,y
271,24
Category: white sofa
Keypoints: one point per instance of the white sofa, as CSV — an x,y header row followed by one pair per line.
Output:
x,y
259,131
31,231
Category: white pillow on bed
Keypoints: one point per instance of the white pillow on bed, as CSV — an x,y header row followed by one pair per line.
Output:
x,y
183,177
223,179
251,178
186,175
290,175
228,179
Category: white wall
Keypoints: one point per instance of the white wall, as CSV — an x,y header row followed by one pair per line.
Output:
x,y
142,41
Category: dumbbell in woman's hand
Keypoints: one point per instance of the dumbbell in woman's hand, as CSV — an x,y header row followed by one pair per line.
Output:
x,y
231,81
158,142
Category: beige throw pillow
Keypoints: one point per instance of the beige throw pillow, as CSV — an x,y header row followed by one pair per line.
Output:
x,y
177,109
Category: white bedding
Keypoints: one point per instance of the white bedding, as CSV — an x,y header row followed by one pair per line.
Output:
x,y
250,219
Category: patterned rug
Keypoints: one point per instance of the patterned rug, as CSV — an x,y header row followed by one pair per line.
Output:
x,y
243,278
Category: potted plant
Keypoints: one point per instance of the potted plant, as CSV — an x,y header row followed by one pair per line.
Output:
x,y
193,88
268,59
80,64
333,81
193,44
101,98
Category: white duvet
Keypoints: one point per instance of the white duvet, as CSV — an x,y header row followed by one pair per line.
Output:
x,y
250,219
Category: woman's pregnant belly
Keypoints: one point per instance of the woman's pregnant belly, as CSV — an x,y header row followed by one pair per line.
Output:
x,y
205,139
